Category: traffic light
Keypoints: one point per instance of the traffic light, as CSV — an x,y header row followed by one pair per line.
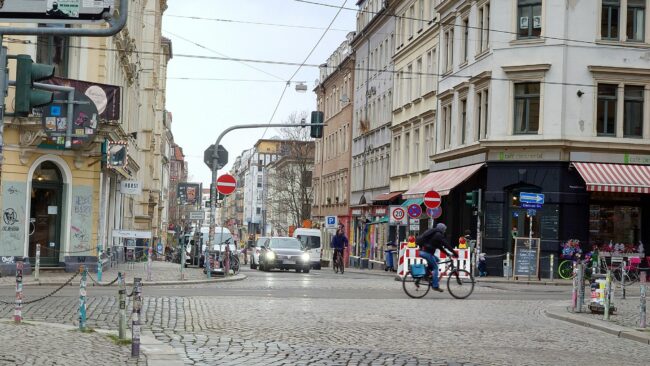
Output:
x,y
316,131
27,72
471,198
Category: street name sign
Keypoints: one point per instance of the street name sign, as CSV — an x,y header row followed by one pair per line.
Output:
x,y
197,215
432,199
226,184
533,198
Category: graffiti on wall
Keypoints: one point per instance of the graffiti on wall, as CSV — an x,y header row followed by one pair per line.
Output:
x,y
12,226
81,219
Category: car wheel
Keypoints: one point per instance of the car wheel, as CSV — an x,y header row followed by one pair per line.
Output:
x,y
297,270
317,266
306,270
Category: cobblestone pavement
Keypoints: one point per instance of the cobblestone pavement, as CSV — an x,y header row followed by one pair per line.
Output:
x,y
29,344
627,310
272,318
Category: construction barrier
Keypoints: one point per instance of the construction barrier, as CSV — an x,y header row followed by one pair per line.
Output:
x,y
409,256
463,262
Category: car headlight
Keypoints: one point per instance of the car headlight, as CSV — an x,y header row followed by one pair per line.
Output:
x,y
305,257
270,255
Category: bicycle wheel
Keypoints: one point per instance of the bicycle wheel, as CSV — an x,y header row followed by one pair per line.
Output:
x,y
565,269
341,266
417,287
460,283
234,264
335,265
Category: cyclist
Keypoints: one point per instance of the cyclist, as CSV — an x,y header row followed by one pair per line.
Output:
x,y
428,242
339,243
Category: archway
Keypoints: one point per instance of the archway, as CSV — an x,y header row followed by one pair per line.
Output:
x,y
46,209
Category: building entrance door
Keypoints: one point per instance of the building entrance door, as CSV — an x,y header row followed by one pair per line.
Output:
x,y
45,214
520,220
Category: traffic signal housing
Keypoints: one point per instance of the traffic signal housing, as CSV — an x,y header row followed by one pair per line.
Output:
x,y
316,131
27,97
471,198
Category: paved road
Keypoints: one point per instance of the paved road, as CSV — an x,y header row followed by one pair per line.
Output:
x,y
325,319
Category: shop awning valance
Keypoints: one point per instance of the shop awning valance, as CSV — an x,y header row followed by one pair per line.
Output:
x,y
411,201
387,196
443,181
615,177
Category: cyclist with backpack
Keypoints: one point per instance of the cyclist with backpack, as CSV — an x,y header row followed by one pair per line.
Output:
x,y
428,242
339,243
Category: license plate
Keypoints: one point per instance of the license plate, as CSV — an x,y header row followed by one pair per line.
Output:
x,y
289,262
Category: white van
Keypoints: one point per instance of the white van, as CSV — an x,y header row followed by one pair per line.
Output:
x,y
311,241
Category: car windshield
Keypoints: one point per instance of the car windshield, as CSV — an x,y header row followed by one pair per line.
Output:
x,y
260,242
284,243
309,241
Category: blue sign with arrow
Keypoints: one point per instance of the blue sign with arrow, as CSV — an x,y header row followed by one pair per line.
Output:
x,y
531,198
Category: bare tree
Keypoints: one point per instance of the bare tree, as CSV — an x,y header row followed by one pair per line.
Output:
x,y
289,193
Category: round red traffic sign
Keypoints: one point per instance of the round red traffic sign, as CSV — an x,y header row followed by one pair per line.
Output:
x,y
432,199
398,214
226,184
414,211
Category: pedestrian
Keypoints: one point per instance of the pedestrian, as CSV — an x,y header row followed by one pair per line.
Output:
x,y
482,265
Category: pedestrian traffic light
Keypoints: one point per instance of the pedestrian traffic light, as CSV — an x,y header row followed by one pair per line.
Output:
x,y
471,198
27,72
316,118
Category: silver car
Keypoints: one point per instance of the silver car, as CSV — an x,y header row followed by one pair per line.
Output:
x,y
254,251
284,253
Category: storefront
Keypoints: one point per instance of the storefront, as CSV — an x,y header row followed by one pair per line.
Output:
x,y
370,228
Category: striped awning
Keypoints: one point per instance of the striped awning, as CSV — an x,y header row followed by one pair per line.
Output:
x,y
443,181
615,177
411,201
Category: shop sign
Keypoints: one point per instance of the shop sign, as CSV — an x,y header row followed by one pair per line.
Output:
x,y
135,234
636,159
524,155
356,212
131,187
380,211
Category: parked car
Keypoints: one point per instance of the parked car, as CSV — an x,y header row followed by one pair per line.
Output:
x,y
284,253
221,236
255,250
312,243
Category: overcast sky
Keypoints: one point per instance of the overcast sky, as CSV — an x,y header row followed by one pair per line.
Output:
x,y
202,109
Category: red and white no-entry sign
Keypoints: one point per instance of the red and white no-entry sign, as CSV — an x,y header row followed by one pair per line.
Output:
x,y
432,199
226,184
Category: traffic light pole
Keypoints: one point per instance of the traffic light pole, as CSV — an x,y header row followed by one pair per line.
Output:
x,y
3,94
215,159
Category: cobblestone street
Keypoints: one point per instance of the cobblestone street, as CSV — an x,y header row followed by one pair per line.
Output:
x,y
326,319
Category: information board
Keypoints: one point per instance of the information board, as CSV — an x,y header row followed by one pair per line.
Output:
x,y
526,257
494,220
550,224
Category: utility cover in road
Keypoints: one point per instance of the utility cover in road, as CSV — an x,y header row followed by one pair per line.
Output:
x,y
432,199
226,184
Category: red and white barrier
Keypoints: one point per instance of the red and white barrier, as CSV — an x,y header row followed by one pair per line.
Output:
x,y
407,256
463,261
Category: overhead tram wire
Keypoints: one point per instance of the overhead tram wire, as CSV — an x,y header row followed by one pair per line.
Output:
x,y
287,63
303,64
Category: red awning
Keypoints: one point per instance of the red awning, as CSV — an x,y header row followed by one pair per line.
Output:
x,y
442,181
387,196
615,177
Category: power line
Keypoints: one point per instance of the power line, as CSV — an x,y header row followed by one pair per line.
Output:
x,y
222,20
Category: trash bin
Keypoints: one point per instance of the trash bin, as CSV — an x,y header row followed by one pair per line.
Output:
x,y
388,254
395,260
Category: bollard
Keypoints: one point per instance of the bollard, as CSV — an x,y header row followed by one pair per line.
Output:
x,y
552,268
37,268
226,261
135,316
206,263
574,294
581,286
100,268
508,271
18,305
642,307
82,297
149,263
122,299
608,287
182,262
623,275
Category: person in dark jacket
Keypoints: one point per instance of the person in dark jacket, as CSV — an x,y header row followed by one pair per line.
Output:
x,y
339,242
428,242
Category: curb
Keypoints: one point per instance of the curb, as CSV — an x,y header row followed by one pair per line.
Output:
x,y
155,352
239,277
613,329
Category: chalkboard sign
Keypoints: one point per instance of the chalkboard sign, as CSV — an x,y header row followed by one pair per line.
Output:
x,y
494,220
526,257
550,223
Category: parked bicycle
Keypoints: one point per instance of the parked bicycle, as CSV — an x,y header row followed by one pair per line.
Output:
x,y
417,281
627,273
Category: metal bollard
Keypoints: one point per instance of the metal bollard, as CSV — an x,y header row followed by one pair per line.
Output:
x,y
100,268
135,316
18,305
623,275
509,270
581,286
37,268
82,297
552,268
642,307
182,261
608,287
149,263
122,299
226,261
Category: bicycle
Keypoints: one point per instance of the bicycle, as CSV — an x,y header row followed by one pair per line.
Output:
x,y
460,283
626,274
566,268
338,262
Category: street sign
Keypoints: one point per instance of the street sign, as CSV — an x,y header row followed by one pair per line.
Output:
x,y
398,216
530,205
434,213
49,11
534,198
221,161
226,184
331,222
532,212
197,215
414,225
432,199
414,211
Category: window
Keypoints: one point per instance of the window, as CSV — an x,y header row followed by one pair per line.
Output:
x,y
633,111
609,19
530,19
421,10
428,141
416,149
463,120
431,69
635,20
484,27
418,78
449,39
527,108
53,50
409,83
606,110
446,120
465,39
406,159
411,20
609,222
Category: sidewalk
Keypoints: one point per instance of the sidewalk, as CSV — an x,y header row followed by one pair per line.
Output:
x,y
60,344
162,273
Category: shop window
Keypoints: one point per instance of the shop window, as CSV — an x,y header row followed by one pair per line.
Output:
x,y
529,19
527,108
614,223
